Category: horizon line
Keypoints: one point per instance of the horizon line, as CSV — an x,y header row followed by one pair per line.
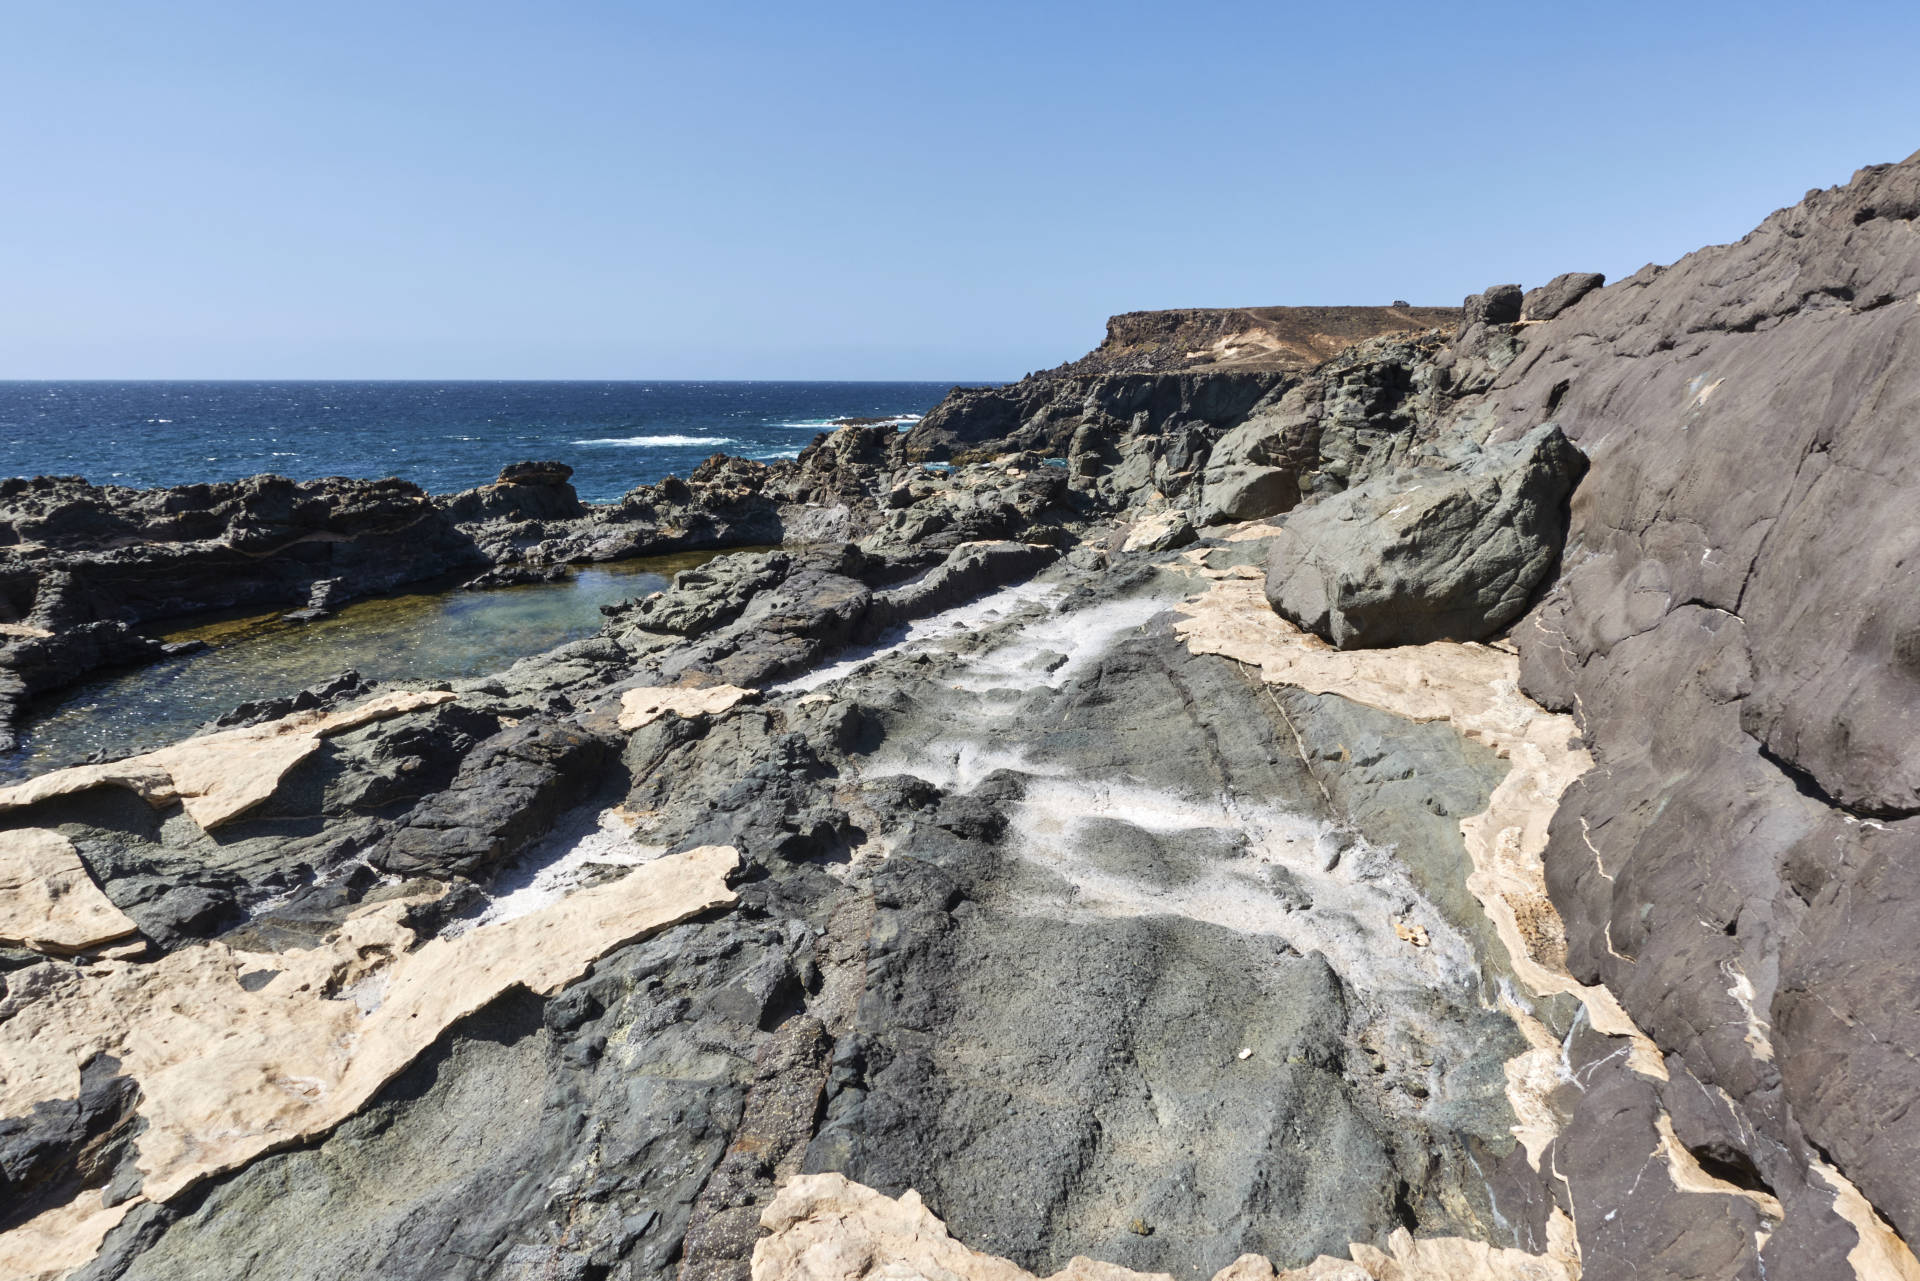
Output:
x,y
312,379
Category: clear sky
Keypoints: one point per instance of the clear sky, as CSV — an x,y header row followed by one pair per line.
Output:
x,y
582,188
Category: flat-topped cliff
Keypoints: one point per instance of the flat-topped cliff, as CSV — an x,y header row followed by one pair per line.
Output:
x,y
1293,338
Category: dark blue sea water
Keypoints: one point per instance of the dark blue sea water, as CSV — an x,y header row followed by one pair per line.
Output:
x,y
442,436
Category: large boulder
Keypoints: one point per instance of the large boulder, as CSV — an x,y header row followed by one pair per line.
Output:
x,y
1499,305
1558,294
1423,554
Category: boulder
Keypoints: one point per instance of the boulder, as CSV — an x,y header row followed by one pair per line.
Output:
x,y
1239,492
1499,305
1558,294
1160,532
1423,554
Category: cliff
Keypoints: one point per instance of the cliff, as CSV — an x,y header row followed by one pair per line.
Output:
x,y
1223,338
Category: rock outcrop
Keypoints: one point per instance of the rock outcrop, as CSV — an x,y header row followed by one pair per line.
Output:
x,y
1734,629
988,881
1426,555
1297,338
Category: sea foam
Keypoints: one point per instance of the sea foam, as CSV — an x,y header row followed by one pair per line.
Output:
x,y
648,442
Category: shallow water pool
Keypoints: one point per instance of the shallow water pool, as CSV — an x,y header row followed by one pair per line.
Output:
x,y
437,635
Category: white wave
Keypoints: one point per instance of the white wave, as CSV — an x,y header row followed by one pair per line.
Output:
x,y
651,442
823,424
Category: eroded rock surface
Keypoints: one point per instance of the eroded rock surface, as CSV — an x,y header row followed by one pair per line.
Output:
x,y
988,881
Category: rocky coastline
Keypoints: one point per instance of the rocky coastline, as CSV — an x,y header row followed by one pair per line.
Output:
x,y
1323,794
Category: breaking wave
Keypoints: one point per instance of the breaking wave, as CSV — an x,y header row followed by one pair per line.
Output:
x,y
650,442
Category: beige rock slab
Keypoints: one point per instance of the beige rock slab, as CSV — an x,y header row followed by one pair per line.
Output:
x,y
1879,1254
48,901
227,1075
644,706
824,1227
1149,529
221,775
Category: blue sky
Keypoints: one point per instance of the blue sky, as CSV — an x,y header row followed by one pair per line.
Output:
x,y
582,188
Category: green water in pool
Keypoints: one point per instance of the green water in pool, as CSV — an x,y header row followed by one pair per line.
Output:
x,y
437,635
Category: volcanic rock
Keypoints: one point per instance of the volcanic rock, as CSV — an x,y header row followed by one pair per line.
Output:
x,y
1558,294
1421,555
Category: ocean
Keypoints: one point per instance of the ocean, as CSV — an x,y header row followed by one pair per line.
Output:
x,y
443,436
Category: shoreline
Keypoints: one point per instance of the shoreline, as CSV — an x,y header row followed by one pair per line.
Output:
x,y
1444,803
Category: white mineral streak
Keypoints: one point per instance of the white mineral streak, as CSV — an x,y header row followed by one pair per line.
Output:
x,y
822,1227
558,865
218,776
923,631
48,902
644,706
1741,990
1058,821
226,1074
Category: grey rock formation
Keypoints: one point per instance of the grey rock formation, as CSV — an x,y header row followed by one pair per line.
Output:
x,y
1425,555
1498,305
1104,941
1734,628
1558,294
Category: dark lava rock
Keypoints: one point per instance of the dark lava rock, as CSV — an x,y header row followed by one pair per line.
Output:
x,y
702,599
330,693
31,665
62,1147
1421,556
516,576
1499,305
1735,631
329,594
186,912
1558,294
545,472
506,792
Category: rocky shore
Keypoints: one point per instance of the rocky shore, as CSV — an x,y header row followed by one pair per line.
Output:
x,y
1325,794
